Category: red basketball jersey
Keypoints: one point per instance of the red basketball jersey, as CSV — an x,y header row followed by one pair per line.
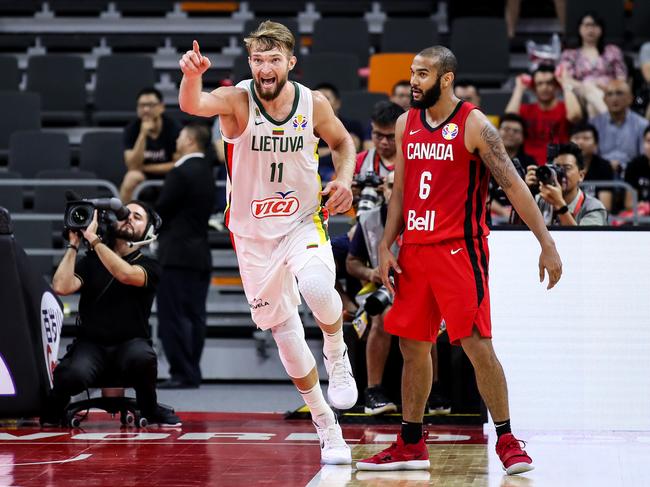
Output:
x,y
445,186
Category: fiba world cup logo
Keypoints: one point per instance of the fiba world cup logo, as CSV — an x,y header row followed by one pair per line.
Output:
x,y
299,123
449,131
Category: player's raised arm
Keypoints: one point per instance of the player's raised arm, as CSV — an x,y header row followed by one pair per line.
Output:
x,y
481,135
332,131
191,98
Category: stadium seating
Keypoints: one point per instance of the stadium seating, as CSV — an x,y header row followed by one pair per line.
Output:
x,y
31,151
10,78
358,105
337,69
422,32
25,110
61,82
102,153
386,69
11,197
51,199
119,79
342,35
485,61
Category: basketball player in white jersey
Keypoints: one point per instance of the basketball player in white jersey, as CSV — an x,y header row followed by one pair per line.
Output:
x,y
271,129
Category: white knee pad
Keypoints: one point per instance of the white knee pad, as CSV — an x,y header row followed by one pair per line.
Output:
x,y
295,355
316,284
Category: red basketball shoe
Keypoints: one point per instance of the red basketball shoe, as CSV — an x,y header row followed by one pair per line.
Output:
x,y
399,456
514,458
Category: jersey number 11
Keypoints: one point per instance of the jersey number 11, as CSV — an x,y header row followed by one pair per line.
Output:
x,y
279,166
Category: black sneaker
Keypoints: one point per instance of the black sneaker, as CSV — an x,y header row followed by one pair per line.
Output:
x,y
164,417
376,401
438,404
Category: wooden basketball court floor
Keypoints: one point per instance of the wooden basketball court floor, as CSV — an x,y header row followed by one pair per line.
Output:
x,y
236,449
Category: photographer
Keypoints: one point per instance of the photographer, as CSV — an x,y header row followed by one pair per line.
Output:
x,y
381,157
363,251
117,286
560,198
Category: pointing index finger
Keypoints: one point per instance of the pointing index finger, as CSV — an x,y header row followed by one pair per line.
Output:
x,y
195,47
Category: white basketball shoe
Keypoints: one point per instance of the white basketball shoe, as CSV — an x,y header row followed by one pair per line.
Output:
x,y
333,449
342,389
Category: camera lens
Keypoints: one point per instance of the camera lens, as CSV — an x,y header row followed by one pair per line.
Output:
x,y
79,215
545,174
378,301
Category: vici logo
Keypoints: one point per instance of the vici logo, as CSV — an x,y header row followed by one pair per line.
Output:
x,y
281,205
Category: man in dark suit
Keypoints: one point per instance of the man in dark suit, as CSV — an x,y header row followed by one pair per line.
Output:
x,y
185,204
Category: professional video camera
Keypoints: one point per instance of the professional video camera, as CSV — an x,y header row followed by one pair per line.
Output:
x,y
79,214
548,173
368,183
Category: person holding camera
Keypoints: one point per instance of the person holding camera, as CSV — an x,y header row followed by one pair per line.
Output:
x,y
363,263
117,285
560,198
185,204
380,159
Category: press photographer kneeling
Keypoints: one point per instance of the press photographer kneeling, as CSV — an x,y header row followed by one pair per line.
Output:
x,y
117,285
560,198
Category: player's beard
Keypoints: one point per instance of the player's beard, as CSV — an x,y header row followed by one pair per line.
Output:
x,y
274,94
429,97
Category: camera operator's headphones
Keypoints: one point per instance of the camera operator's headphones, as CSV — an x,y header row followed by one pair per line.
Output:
x,y
154,222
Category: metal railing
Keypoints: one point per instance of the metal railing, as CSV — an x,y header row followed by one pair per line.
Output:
x,y
635,219
156,183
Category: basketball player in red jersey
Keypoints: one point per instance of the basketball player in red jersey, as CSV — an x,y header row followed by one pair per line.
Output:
x,y
448,151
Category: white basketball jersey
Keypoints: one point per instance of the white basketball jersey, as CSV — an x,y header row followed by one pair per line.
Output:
x,y
273,181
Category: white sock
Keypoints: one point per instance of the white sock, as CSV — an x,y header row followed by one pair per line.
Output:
x,y
321,413
333,345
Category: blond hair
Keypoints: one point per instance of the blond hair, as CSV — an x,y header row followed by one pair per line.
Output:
x,y
270,35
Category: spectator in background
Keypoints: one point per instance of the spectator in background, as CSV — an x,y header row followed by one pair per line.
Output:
x,y
380,159
563,202
547,120
593,64
512,129
620,130
354,128
149,143
637,173
467,91
185,204
641,104
585,136
401,94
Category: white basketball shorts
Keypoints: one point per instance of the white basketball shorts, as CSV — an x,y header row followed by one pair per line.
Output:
x,y
268,268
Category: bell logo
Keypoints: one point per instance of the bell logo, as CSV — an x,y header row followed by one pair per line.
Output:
x,y
282,205
421,223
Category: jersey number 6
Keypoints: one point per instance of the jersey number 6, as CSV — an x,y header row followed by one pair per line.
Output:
x,y
425,188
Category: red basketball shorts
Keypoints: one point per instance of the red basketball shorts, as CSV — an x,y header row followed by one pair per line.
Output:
x,y
449,281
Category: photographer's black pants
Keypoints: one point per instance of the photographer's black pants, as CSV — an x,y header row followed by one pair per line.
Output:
x,y
182,321
130,364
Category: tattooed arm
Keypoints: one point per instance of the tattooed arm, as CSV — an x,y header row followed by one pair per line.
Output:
x,y
481,136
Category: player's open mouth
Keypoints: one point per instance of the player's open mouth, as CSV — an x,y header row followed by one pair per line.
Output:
x,y
267,82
